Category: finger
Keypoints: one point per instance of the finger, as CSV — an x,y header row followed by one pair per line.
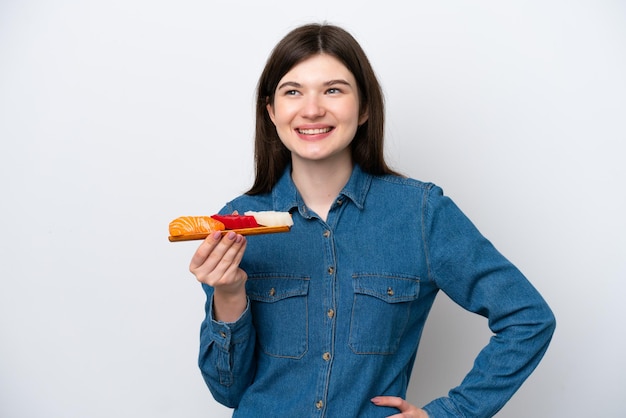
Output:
x,y
241,251
216,247
228,267
392,401
222,264
204,250
227,252
407,410
395,402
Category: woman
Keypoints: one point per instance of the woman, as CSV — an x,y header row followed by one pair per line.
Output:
x,y
325,320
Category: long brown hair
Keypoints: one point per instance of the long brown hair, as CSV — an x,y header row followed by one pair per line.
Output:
x,y
270,155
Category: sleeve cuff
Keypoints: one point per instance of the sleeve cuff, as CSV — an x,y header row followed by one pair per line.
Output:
x,y
225,334
442,408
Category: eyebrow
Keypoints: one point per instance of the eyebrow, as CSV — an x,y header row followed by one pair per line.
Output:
x,y
327,83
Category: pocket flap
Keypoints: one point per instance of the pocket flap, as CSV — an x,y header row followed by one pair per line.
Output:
x,y
272,288
390,288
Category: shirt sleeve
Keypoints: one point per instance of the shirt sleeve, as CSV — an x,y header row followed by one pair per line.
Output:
x,y
468,268
226,357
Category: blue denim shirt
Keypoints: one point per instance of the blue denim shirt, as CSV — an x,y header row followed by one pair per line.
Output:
x,y
336,308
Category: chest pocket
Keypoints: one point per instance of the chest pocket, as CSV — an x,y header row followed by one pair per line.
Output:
x,y
381,310
280,313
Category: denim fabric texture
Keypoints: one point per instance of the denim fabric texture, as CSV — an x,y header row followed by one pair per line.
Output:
x,y
336,309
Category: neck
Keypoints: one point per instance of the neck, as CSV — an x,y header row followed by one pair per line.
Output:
x,y
319,183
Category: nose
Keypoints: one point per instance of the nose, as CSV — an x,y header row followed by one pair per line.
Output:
x,y
313,107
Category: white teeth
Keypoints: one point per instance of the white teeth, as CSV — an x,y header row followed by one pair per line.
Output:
x,y
314,131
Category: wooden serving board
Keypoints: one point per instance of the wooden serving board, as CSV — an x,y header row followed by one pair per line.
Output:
x,y
243,231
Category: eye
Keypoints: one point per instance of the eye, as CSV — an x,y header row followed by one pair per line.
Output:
x,y
291,92
333,90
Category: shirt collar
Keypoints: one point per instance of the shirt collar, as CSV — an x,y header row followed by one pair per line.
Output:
x,y
286,196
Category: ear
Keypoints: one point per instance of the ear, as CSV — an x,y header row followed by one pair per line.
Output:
x,y
363,118
270,110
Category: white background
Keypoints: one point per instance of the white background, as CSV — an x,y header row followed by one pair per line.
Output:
x,y
117,116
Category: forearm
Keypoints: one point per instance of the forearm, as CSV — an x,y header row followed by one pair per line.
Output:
x,y
226,356
228,307
499,370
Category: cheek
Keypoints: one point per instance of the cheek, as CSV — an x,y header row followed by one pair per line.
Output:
x,y
286,143
279,115
280,112
350,113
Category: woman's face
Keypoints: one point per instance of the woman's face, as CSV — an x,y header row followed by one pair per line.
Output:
x,y
316,110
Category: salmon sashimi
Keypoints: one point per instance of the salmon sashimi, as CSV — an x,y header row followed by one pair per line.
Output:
x,y
186,225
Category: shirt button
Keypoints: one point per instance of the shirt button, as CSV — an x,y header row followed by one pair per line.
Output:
x,y
330,313
340,202
326,356
331,270
319,404
222,334
272,291
326,234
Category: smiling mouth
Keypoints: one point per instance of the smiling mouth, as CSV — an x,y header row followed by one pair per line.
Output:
x,y
314,131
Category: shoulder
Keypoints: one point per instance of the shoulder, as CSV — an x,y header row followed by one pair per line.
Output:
x,y
398,193
406,184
